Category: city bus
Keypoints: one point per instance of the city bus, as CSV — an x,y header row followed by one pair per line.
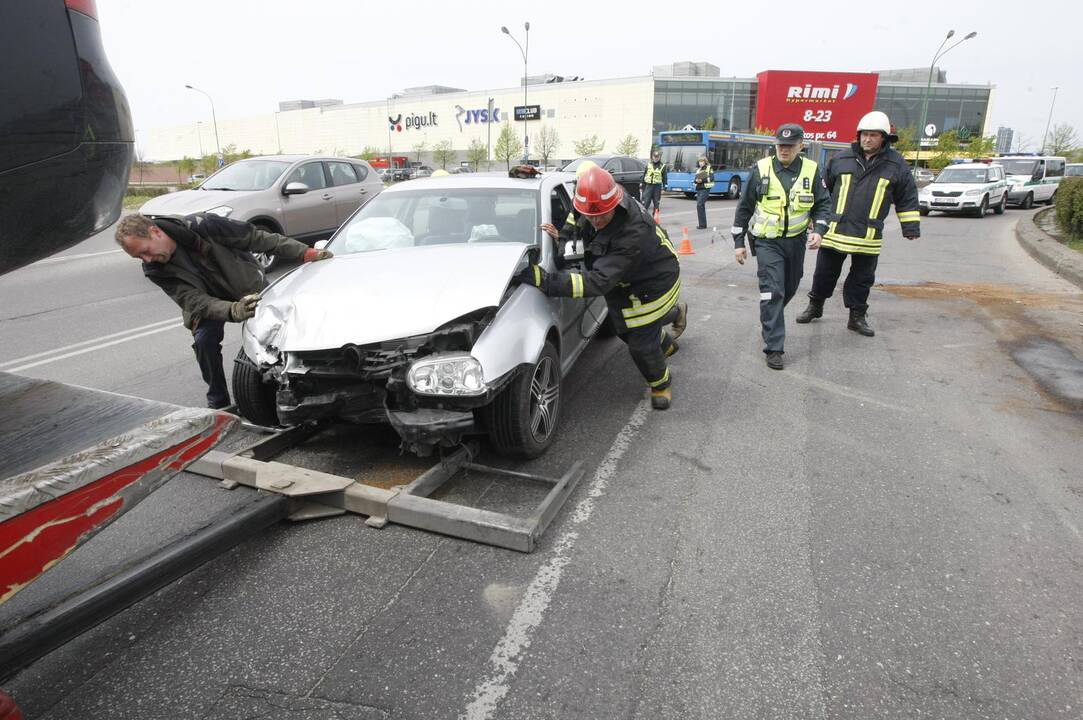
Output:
x,y
732,156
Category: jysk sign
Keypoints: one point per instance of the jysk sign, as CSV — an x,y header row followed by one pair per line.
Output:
x,y
828,105
528,112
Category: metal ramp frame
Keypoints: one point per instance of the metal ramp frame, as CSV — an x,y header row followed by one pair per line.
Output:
x,y
316,494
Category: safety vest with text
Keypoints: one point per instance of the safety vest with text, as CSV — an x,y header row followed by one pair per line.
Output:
x,y
653,176
779,214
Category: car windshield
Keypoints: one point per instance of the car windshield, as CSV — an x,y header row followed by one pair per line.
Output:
x,y
682,158
1019,167
962,175
1073,170
440,216
246,175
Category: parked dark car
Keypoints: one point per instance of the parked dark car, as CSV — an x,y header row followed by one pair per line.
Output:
x,y
627,170
66,137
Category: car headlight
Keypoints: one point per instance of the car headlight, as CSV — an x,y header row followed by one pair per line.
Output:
x,y
447,375
222,210
975,191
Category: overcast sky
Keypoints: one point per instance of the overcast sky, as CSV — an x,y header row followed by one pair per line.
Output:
x,y
249,55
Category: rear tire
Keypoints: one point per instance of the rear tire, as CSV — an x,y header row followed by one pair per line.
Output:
x,y
255,398
522,420
999,208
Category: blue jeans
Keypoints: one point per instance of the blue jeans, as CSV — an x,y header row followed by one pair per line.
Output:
x,y
701,206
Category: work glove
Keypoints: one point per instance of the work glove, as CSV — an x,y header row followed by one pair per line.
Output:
x,y
530,275
312,255
243,308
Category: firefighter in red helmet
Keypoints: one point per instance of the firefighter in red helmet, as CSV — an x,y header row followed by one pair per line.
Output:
x,y
630,260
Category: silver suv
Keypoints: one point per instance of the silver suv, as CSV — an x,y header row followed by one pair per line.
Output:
x,y
304,196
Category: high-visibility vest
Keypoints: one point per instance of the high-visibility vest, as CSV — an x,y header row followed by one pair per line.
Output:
x,y
653,176
710,175
777,209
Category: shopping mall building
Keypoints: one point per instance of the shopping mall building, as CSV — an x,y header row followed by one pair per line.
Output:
x,y
672,97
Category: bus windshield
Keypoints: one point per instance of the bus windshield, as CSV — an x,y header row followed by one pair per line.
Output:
x,y
682,158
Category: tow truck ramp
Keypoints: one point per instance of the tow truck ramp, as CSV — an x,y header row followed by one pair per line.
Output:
x,y
315,494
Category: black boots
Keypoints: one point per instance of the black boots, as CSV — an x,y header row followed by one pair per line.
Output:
x,y
814,310
774,360
858,323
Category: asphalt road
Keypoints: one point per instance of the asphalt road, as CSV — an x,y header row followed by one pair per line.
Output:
x,y
888,528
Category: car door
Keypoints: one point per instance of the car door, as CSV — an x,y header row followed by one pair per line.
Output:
x,y
346,188
311,214
579,317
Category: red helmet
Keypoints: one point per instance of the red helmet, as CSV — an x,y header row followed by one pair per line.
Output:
x,y
596,192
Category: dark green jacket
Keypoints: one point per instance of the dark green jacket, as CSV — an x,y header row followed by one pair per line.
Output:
x,y
213,265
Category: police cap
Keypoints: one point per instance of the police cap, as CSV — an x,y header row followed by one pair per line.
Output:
x,y
789,134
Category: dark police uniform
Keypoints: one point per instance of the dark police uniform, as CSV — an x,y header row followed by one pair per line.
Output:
x,y
780,203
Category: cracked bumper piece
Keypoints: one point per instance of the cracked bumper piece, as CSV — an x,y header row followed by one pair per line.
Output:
x,y
425,428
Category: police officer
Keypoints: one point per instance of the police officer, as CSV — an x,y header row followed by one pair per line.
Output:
x,y
630,260
654,179
785,196
704,181
864,181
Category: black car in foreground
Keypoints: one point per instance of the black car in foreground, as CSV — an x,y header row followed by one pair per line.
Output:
x,y
627,170
66,137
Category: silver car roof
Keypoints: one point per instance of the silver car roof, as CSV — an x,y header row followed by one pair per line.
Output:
x,y
482,181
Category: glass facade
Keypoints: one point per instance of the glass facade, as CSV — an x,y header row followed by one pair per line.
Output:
x,y
722,104
951,107
730,104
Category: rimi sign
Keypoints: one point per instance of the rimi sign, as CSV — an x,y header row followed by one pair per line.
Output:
x,y
827,105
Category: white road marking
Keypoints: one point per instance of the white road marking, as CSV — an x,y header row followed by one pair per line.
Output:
x,y
508,653
64,355
76,257
35,356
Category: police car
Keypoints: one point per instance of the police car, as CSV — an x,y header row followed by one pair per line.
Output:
x,y
970,188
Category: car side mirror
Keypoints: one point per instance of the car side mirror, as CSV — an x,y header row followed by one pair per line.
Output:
x,y
295,188
321,244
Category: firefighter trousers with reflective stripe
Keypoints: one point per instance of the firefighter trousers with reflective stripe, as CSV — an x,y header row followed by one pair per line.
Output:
x,y
648,346
855,291
780,267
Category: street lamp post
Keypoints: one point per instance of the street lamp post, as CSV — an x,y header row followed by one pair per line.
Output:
x,y
1050,118
217,144
524,52
199,134
940,52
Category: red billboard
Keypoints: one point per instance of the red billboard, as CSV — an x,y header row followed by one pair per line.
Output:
x,y
827,105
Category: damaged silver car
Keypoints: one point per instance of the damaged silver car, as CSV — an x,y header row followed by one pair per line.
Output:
x,y
416,322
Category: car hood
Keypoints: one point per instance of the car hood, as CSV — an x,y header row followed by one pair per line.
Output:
x,y
186,202
382,295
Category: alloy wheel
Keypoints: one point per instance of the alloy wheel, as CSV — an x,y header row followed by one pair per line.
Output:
x,y
544,400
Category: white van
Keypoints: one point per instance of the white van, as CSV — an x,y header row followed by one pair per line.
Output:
x,y
1032,178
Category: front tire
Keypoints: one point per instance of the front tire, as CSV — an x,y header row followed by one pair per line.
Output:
x,y
983,208
735,189
1028,202
1052,199
690,195
924,212
522,420
255,398
999,208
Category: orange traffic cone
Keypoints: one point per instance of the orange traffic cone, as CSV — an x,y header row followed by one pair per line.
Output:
x,y
686,244
657,216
